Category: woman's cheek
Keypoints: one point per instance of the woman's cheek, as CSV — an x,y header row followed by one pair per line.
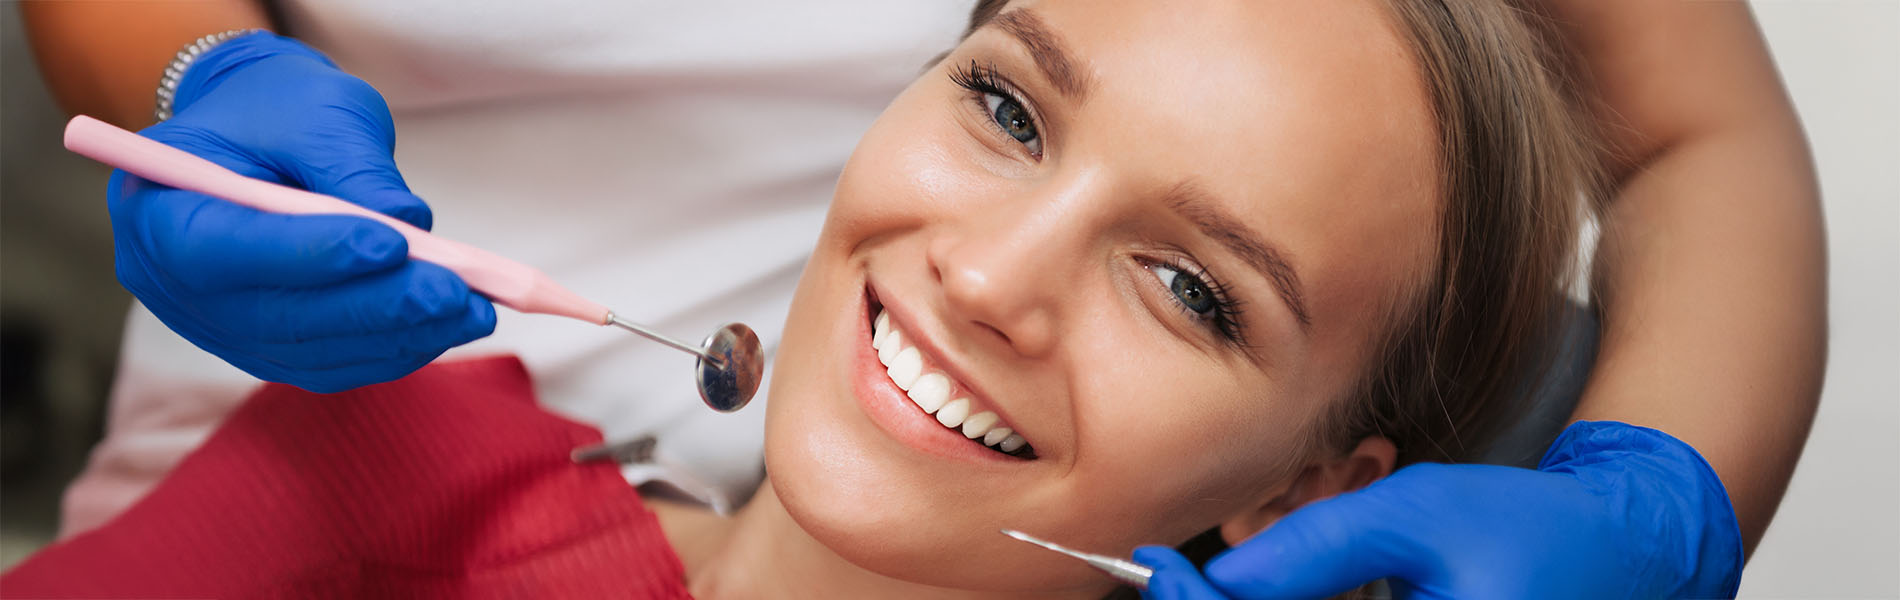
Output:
x,y
1198,453
924,156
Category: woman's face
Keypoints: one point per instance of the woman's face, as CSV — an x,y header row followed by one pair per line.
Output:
x,y
1154,239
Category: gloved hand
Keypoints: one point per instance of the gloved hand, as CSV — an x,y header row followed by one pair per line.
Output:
x,y
1613,511
325,303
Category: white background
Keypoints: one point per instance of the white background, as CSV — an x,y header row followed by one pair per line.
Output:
x,y
1838,532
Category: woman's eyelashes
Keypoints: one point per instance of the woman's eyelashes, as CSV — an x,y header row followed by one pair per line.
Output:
x,y
1002,107
1201,297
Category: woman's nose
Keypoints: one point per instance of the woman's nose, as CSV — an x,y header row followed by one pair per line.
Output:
x,y
1006,271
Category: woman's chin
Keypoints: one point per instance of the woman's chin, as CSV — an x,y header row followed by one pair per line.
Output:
x,y
858,499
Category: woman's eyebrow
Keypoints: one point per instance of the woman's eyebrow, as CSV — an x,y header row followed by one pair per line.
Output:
x,y
1046,48
1192,203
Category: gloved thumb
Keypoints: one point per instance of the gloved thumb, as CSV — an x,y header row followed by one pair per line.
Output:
x,y
350,153
1318,551
359,166
371,180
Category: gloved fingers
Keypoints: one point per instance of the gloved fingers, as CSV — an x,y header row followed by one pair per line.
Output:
x,y
204,144
398,203
350,154
1321,550
209,245
365,175
337,364
1175,578
391,301
430,339
356,171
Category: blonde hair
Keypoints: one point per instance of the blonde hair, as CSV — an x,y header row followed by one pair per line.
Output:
x,y
1520,170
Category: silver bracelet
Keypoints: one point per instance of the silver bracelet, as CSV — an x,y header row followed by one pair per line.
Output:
x,y
175,72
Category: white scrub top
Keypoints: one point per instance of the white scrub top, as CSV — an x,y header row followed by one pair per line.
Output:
x,y
672,160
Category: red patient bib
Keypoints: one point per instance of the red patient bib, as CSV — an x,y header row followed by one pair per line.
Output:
x,y
449,483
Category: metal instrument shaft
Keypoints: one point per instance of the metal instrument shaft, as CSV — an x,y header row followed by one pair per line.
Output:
x,y
616,321
1123,570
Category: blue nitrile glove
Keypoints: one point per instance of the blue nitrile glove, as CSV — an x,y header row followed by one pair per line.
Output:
x,y
325,303
1613,511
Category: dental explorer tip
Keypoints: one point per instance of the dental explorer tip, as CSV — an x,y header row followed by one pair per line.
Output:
x,y
1034,540
1022,536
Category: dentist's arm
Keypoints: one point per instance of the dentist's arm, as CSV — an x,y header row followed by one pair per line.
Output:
x,y
104,58
1711,280
1712,272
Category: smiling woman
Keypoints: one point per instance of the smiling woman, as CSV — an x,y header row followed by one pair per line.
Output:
x,y
1123,273
1209,262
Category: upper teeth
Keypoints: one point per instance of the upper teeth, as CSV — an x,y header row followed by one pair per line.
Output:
x,y
931,389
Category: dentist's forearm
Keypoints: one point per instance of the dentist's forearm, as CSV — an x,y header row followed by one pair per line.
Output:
x,y
1711,275
1712,283
103,58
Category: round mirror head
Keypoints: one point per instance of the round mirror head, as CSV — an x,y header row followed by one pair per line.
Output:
x,y
730,387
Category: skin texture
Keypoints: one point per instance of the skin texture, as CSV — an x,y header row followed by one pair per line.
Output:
x,y
1029,276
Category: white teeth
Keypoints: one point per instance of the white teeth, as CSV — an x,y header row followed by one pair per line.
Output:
x,y
952,414
880,329
906,367
1011,443
904,364
930,391
979,424
893,342
996,436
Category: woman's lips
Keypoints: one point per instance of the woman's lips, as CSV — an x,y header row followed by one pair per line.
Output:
x,y
906,419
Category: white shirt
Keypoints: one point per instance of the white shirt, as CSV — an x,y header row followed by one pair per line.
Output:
x,y
672,160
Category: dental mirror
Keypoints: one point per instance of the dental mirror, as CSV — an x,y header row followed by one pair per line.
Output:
x,y
728,380
730,362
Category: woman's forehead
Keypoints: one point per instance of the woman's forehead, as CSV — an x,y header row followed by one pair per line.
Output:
x,y
1234,81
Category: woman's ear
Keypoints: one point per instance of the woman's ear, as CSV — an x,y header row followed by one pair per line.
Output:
x,y
1371,460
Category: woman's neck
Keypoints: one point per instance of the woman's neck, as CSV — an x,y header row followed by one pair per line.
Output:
x,y
762,553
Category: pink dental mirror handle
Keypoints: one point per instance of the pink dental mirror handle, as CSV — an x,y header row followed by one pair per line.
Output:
x,y
730,362
504,281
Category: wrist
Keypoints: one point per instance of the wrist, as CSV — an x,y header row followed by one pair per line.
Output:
x,y
217,62
1662,484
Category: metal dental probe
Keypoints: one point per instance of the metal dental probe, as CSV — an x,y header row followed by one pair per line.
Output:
x,y
1125,571
731,359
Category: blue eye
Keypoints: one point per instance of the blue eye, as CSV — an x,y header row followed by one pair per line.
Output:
x,y
1189,290
1015,120
1005,108
1202,298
